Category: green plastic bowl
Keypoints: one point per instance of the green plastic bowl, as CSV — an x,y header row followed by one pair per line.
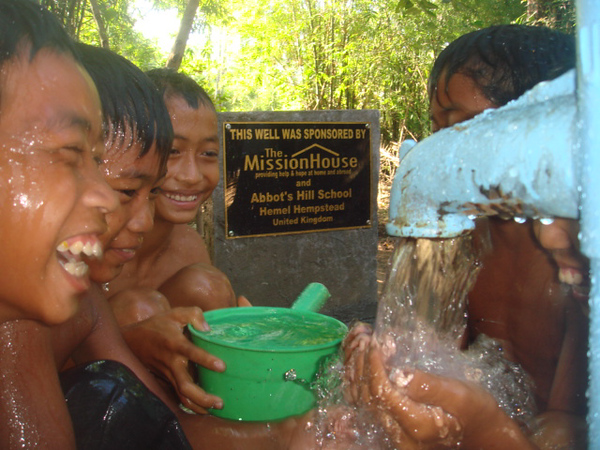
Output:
x,y
269,367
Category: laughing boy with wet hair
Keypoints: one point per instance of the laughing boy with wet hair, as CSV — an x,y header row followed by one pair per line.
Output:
x,y
52,193
58,214
53,199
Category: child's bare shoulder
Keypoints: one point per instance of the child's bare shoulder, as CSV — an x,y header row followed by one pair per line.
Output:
x,y
189,245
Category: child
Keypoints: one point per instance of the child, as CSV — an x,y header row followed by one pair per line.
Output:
x,y
53,197
32,406
134,166
174,252
50,128
172,267
138,138
515,298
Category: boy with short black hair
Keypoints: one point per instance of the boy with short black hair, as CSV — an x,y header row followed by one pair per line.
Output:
x,y
172,270
53,196
54,107
53,202
516,298
51,129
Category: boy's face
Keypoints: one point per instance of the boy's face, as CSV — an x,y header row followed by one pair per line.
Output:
x,y
136,182
560,239
458,100
193,166
53,198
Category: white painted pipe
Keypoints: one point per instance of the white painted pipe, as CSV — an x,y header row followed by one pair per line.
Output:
x,y
517,160
588,111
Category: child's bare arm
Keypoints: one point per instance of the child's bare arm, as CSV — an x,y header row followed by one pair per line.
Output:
x,y
294,433
201,285
106,342
155,334
563,424
571,377
161,345
33,412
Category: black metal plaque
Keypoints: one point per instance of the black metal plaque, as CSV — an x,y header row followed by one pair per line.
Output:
x,y
295,177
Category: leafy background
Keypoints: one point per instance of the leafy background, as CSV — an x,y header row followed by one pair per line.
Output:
x,y
309,54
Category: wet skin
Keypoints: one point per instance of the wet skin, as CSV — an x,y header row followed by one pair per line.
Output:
x,y
93,334
136,180
38,351
517,296
192,175
456,101
52,191
193,166
174,261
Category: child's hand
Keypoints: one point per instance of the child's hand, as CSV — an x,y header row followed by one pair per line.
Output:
x,y
354,346
422,410
356,339
407,423
159,342
243,302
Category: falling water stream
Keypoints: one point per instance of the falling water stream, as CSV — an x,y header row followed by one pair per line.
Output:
x,y
423,304
420,324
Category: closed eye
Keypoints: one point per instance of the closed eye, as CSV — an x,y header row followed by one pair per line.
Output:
x,y
128,192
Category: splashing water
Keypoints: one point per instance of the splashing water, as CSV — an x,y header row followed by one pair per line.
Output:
x,y
424,296
420,324
422,317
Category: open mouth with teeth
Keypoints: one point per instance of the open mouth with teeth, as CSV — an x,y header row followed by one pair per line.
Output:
x,y
575,280
71,252
181,198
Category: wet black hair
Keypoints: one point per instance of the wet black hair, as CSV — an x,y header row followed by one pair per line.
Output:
x,y
26,22
505,61
172,83
130,100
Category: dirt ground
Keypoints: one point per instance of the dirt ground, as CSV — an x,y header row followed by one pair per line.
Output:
x,y
388,164
385,248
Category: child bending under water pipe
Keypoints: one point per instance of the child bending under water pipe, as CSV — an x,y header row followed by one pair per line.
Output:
x,y
517,297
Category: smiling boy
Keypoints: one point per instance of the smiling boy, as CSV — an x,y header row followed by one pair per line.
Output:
x,y
137,144
53,206
173,258
53,197
172,268
138,141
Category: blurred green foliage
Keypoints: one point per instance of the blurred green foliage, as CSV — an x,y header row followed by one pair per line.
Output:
x,y
315,54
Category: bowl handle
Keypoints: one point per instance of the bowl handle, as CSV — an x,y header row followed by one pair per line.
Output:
x,y
312,298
